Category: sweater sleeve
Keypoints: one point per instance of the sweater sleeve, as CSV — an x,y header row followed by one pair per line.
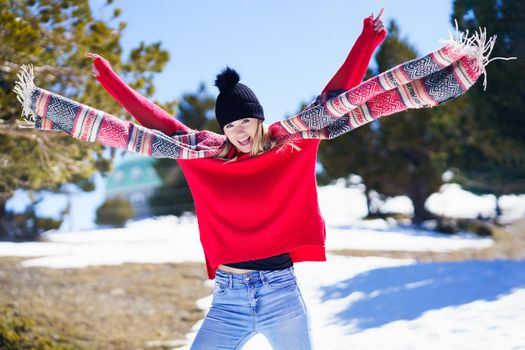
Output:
x,y
349,75
353,70
144,111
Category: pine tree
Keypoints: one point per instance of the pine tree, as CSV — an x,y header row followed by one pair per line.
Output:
x,y
403,154
492,158
54,36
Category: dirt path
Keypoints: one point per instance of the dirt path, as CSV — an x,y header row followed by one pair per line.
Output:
x,y
132,306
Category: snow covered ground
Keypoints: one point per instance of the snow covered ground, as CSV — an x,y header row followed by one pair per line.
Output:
x,y
166,240
362,303
378,303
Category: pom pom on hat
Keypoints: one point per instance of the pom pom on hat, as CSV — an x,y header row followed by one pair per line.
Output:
x,y
227,79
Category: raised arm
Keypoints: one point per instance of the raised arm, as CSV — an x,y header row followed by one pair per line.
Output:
x,y
353,70
50,111
144,111
420,83
349,75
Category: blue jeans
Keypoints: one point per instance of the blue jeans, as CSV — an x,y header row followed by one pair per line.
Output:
x,y
266,302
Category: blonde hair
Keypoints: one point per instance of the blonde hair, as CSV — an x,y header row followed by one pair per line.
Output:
x,y
262,143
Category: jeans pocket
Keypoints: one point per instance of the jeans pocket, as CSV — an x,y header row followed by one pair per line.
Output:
x,y
220,288
280,279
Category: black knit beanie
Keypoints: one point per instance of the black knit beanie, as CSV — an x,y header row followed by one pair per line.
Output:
x,y
235,100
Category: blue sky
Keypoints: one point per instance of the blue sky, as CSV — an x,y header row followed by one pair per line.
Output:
x,y
286,51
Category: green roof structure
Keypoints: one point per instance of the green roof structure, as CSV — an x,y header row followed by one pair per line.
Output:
x,y
134,174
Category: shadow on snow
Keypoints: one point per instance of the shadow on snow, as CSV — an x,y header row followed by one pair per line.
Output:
x,y
406,292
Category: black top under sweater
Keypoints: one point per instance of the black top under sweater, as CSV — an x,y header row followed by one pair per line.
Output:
x,y
278,262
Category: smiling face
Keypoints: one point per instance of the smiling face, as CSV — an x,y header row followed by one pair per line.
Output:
x,y
241,133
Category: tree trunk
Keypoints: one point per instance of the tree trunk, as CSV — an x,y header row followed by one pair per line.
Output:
x,y
498,210
418,193
3,213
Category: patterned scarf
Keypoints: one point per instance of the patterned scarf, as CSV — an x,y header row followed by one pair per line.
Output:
x,y
423,82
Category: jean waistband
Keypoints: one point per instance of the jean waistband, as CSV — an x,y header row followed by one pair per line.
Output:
x,y
255,276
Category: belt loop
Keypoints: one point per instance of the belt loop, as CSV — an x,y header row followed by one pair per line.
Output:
x,y
262,276
230,276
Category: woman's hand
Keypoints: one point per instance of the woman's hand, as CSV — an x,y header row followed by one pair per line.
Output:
x,y
94,69
378,21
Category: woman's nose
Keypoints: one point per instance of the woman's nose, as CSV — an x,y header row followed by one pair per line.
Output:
x,y
239,128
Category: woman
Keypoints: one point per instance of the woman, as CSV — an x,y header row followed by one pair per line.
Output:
x,y
254,189
255,289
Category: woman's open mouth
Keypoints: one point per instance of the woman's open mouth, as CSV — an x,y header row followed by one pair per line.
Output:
x,y
244,142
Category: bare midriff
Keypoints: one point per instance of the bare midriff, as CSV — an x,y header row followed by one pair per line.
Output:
x,y
234,270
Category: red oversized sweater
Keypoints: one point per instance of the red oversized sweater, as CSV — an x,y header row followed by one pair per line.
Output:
x,y
255,207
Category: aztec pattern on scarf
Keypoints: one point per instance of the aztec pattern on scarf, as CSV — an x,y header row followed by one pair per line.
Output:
x,y
55,112
423,82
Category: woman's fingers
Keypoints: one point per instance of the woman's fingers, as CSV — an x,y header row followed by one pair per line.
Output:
x,y
92,55
378,21
94,71
379,16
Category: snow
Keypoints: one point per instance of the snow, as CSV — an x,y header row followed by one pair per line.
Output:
x,y
341,205
379,303
389,237
148,241
363,302
167,240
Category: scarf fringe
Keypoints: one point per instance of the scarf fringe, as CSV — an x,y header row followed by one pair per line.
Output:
x,y
24,88
477,46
